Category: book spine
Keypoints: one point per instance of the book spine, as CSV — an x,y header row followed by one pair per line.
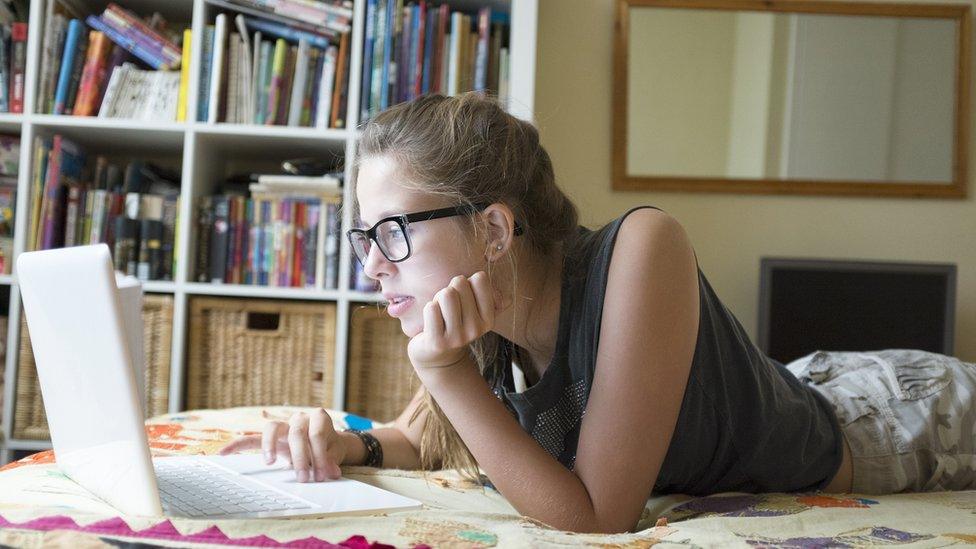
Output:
x,y
277,75
130,45
204,235
481,66
233,81
181,104
217,68
18,59
378,58
296,102
311,83
286,32
77,64
284,101
134,22
67,57
71,214
167,57
339,94
323,107
430,32
367,63
219,239
97,50
391,18
206,62
5,66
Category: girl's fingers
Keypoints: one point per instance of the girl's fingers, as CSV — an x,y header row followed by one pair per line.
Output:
x,y
248,442
450,304
484,296
319,429
298,443
433,320
470,314
273,432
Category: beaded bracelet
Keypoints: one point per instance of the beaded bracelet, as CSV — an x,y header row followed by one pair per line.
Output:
x,y
374,451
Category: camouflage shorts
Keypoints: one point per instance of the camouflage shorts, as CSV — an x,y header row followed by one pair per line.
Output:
x,y
909,416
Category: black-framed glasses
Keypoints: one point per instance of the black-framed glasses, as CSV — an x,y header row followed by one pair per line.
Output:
x,y
391,233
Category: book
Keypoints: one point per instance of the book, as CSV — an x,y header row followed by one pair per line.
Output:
x,y
77,64
339,93
93,74
181,105
296,102
289,33
152,58
217,67
18,67
206,62
67,58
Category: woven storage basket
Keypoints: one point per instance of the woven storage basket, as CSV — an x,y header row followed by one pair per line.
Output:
x,y
252,352
380,381
157,315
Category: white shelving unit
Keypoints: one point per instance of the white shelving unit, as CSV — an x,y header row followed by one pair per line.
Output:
x,y
207,152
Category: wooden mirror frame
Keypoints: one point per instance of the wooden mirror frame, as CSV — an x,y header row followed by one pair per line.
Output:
x,y
955,189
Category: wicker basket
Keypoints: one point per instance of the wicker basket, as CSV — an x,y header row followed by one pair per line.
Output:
x,y
380,381
157,315
252,352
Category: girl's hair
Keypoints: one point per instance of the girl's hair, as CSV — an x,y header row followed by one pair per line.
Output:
x,y
468,149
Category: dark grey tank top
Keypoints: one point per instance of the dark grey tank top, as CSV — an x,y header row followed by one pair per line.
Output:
x,y
746,423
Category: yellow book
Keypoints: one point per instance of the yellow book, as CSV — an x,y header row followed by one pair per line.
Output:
x,y
277,83
184,77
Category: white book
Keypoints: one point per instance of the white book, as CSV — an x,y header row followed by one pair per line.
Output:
x,y
278,192
323,111
298,84
246,109
112,89
323,181
320,246
216,71
503,77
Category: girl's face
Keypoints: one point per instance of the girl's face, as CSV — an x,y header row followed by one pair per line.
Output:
x,y
439,251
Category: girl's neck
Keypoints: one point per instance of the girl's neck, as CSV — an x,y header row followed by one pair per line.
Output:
x,y
537,301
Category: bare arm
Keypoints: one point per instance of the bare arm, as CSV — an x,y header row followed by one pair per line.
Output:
x,y
401,443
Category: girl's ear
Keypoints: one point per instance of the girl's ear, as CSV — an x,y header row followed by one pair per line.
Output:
x,y
500,223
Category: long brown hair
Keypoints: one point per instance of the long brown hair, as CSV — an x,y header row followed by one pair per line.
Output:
x,y
468,149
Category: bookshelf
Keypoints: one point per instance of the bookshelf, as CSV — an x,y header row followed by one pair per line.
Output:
x,y
205,152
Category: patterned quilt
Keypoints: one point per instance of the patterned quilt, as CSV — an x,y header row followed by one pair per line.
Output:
x,y
40,507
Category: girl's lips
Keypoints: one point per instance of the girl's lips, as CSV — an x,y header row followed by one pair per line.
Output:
x,y
397,309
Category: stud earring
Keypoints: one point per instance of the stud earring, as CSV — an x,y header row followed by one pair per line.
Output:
x,y
498,247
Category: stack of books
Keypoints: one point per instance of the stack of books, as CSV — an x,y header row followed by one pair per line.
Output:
x,y
425,48
13,55
9,168
282,232
96,65
132,208
284,62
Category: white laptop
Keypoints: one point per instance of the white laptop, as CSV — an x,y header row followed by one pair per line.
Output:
x,y
90,394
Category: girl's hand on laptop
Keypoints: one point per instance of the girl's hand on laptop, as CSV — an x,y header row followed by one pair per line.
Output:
x,y
308,442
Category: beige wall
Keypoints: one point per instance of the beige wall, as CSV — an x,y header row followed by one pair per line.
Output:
x,y
730,232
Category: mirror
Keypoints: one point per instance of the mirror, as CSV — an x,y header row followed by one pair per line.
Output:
x,y
791,97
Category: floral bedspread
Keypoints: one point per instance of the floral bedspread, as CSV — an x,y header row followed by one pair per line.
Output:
x,y
40,507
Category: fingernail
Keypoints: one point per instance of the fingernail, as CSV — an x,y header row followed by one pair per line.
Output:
x,y
319,475
302,475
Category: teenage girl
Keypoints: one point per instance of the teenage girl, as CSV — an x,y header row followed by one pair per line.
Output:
x,y
583,370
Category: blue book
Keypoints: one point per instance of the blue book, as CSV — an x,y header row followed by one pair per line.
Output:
x,y
206,60
411,64
367,64
387,55
131,45
64,78
428,48
288,33
264,76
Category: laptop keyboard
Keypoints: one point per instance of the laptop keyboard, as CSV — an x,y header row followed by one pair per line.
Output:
x,y
199,488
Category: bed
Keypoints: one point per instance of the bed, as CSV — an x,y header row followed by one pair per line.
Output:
x,y
40,507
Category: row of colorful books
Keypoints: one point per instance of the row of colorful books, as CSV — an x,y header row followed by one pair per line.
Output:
x,y
425,48
258,71
77,199
117,66
280,235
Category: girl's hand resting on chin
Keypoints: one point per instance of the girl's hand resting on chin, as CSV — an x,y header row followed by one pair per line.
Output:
x,y
458,314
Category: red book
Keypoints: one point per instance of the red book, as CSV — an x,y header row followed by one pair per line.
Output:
x,y
18,63
297,278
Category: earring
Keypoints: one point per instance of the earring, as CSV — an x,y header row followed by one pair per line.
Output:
x,y
498,247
